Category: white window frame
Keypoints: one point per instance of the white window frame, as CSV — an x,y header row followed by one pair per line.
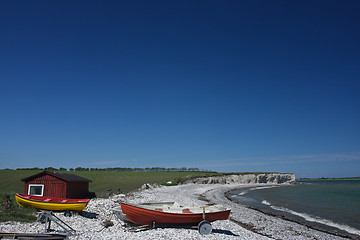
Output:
x,y
36,185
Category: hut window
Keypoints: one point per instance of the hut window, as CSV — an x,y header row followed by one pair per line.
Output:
x,y
36,189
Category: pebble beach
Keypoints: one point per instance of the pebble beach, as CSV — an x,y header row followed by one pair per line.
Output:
x,y
243,223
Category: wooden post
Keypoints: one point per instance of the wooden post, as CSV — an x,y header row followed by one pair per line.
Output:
x,y
203,212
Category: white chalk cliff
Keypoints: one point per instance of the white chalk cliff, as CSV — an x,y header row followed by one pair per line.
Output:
x,y
244,178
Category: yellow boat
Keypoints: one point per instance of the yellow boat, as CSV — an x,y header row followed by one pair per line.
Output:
x,y
50,203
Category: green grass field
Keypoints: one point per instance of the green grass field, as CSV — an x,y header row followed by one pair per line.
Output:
x,y
15,213
10,180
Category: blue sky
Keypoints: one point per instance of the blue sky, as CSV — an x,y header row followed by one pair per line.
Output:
x,y
228,86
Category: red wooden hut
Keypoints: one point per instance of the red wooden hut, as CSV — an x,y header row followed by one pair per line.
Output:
x,y
51,184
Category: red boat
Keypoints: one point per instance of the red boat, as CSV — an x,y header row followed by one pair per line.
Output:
x,y
172,213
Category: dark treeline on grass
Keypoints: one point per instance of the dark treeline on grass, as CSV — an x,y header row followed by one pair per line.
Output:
x,y
118,169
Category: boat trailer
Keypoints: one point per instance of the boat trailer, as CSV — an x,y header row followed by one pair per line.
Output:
x,y
47,217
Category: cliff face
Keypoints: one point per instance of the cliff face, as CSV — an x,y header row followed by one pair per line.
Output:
x,y
269,178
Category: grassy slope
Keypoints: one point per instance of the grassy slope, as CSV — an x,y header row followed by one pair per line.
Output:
x,y
10,180
129,181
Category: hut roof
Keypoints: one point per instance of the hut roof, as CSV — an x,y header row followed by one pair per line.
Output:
x,y
64,176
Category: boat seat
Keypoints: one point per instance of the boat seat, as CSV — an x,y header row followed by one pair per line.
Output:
x,y
186,210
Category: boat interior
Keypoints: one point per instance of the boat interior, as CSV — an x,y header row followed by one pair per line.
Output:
x,y
174,207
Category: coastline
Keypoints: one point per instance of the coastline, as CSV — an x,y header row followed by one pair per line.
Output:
x,y
303,219
243,223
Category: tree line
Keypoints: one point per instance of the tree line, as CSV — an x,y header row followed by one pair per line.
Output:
x,y
152,169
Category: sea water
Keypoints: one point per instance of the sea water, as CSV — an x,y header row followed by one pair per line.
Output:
x,y
335,203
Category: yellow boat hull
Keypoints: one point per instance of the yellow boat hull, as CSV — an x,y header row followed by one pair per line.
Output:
x,y
50,206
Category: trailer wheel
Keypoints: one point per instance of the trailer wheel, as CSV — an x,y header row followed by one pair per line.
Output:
x,y
204,227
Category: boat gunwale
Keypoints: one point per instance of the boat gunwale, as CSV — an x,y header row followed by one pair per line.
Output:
x,y
140,205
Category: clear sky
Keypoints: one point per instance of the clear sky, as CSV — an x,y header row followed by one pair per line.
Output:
x,y
227,86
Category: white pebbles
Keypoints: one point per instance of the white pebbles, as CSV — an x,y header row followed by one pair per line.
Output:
x,y
261,225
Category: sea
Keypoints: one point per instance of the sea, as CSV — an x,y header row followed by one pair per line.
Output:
x,y
328,205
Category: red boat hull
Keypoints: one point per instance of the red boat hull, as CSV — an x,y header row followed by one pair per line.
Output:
x,y
143,216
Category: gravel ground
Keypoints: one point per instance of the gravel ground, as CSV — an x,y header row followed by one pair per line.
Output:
x,y
244,223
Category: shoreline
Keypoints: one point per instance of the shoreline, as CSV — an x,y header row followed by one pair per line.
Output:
x,y
322,227
244,223
271,225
